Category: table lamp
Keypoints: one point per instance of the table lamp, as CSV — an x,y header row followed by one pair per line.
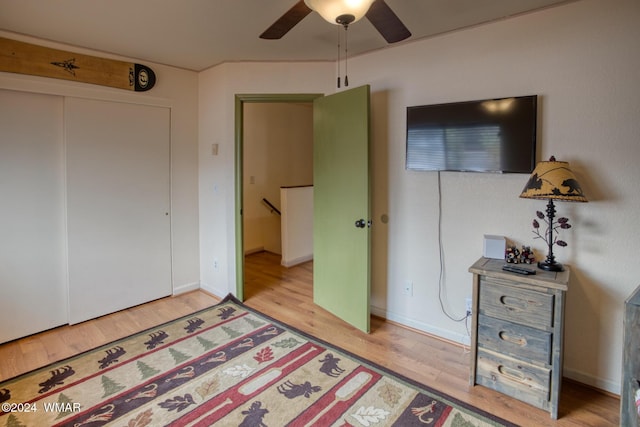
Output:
x,y
552,180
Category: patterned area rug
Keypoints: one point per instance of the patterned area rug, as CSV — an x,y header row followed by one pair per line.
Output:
x,y
226,365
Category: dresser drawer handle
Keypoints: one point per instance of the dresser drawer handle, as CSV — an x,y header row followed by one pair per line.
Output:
x,y
513,339
512,374
513,303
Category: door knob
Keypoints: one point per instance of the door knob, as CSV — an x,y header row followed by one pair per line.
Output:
x,y
361,223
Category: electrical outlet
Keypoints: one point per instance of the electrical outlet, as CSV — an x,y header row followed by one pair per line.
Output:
x,y
216,264
469,303
408,288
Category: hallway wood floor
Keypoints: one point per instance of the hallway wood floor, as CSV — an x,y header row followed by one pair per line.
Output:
x,y
286,294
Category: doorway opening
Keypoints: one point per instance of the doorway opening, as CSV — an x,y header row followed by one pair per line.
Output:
x,y
271,152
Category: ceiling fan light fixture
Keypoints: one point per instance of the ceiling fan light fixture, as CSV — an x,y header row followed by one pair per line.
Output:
x,y
334,11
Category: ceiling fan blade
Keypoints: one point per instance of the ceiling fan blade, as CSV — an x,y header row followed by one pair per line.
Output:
x,y
287,21
387,22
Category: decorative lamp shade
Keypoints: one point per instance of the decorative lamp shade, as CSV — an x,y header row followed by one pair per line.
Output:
x,y
553,180
330,10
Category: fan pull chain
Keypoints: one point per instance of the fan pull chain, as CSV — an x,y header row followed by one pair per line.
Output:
x,y
338,57
346,55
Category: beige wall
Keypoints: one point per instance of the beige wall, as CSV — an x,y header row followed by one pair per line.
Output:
x,y
218,87
582,60
278,152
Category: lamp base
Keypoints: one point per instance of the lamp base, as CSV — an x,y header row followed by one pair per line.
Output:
x,y
550,266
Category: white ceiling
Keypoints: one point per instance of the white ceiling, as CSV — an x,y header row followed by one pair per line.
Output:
x,y
198,34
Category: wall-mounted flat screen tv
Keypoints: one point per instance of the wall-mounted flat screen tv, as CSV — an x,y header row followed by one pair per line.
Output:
x,y
492,135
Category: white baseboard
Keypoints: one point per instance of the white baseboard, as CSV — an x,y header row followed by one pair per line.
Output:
x,y
581,377
219,293
296,261
253,250
462,339
187,287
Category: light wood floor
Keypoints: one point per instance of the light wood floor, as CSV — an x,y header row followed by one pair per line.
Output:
x,y
286,294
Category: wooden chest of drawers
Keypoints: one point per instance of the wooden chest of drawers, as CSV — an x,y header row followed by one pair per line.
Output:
x,y
629,416
517,332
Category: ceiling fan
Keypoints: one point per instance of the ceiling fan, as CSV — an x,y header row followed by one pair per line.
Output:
x,y
342,12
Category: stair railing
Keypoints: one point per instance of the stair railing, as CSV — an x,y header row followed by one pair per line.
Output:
x,y
270,205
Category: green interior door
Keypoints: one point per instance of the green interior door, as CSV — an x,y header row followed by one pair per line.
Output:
x,y
341,234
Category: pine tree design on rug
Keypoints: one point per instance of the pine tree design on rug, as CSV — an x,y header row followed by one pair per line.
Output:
x,y
145,370
206,344
110,386
66,403
178,356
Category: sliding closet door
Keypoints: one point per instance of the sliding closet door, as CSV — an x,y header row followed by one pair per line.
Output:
x,y
118,204
33,288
